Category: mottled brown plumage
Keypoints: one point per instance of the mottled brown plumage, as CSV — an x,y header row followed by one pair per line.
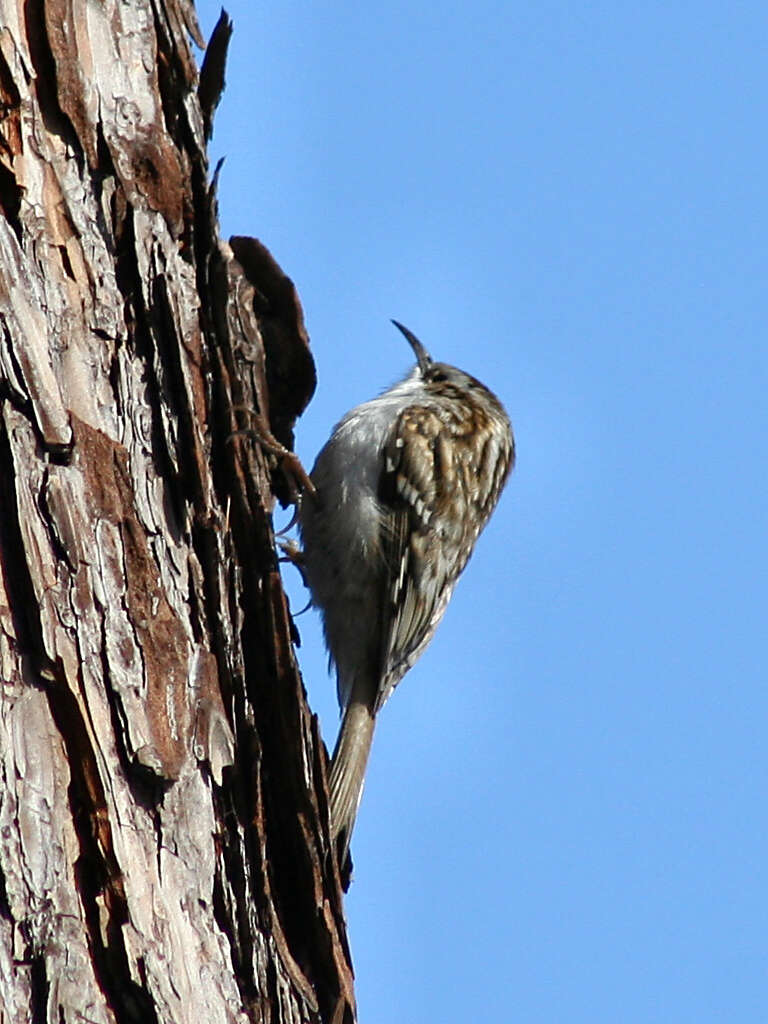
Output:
x,y
404,486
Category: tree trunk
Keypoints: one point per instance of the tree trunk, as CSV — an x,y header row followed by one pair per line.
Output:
x,y
164,854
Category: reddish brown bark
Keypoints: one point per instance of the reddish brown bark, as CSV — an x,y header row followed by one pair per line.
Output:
x,y
163,823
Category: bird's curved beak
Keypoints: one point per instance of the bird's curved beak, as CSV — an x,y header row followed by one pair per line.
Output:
x,y
423,358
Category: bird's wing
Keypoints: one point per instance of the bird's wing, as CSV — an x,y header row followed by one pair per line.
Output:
x,y
419,564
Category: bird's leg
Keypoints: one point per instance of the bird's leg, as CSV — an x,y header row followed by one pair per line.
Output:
x,y
293,555
296,476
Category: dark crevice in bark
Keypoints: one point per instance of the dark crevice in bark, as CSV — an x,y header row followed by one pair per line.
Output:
x,y
228,482
5,907
65,553
58,454
116,709
285,800
234,919
207,260
175,397
10,391
56,121
38,990
10,200
114,377
126,271
171,77
218,405
10,111
210,617
13,392
272,995
66,262
144,327
174,85
104,173
196,613
17,580
97,872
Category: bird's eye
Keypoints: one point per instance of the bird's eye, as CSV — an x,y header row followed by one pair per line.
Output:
x,y
437,375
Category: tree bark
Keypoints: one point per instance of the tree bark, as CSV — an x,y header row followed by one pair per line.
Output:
x,y
164,853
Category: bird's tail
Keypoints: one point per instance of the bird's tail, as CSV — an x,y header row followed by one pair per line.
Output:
x,y
345,783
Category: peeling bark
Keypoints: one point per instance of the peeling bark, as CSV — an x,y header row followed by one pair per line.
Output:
x,y
164,853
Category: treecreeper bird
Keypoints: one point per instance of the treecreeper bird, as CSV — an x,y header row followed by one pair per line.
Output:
x,y
403,488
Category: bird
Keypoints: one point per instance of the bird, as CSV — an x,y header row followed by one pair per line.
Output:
x,y
402,490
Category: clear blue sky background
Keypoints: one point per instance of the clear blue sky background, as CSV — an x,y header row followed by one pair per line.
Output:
x,y
565,816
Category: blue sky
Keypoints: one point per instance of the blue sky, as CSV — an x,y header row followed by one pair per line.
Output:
x,y
564,818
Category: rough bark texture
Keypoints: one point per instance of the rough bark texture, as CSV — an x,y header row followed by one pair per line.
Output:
x,y
163,822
